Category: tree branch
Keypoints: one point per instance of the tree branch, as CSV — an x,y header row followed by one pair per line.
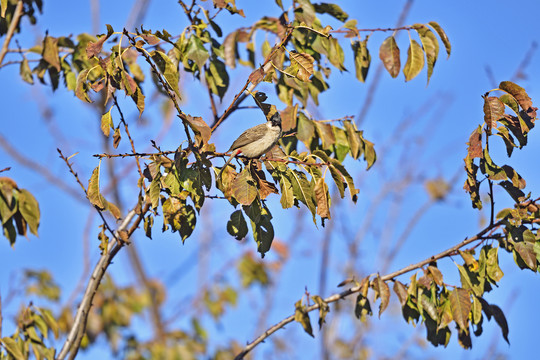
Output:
x,y
12,27
342,295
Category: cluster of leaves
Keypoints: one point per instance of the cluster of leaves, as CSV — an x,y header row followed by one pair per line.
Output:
x,y
19,210
516,124
34,326
7,10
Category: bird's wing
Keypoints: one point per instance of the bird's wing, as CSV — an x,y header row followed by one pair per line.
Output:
x,y
248,136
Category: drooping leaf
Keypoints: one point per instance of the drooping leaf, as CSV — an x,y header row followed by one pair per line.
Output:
x,y
106,123
237,226
518,93
50,52
415,61
196,51
389,55
362,59
29,209
302,316
167,69
13,348
93,192
493,111
81,90
430,45
305,65
323,198
382,291
401,292
26,72
230,49
460,303
442,35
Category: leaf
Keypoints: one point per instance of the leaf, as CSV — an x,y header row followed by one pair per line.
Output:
x,y
26,72
94,48
12,348
527,254
383,291
29,208
389,55
493,111
331,9
430,45
415,61
305,65
362,308
362,59
4,5
230,49
518,93
93,193
106,123
50,52
200,128
322,198
348,178
138,99
81,89
287,197
499,317
442,35
117,137
401,292
460,304
306,130
302,316
167,69
336,56
237,226
302,190
324,309
244,189
196,51
217,77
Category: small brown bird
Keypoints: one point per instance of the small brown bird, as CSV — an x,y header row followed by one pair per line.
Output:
x,y
256,141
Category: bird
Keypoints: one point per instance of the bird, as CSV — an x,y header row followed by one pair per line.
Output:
x,y
256,141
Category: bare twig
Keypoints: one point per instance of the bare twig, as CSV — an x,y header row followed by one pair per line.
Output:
x,y
11,30
446,253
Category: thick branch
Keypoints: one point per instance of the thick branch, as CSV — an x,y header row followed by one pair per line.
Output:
x,y
446,253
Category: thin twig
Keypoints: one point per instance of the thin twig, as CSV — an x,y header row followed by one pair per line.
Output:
x,y
38,168
446,253
11,30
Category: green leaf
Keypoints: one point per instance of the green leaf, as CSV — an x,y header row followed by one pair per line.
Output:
x,y
4,5
348,178
287,197
107,123
460,304
331,9
50,52
93,193
442,35
336,56
302,190
362,59
430,45
302,316
12,348
237,226
306,130
26,72
29,208
154,190
81,89
415,61
389,55
324,309
217,78
263,231
167,69
244,188
196,51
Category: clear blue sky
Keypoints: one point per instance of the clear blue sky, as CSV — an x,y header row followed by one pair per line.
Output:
x,y
483,34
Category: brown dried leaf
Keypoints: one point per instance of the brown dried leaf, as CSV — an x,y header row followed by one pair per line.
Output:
x,y
322,198
475,144
256,76
460,304
244,189
200,128
389,54
493,111
288,117
305,65
94,48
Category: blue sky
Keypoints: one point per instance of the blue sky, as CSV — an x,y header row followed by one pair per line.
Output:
x,y
484,34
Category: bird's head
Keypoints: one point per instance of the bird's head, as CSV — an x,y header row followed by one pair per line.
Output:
x,y
275,119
